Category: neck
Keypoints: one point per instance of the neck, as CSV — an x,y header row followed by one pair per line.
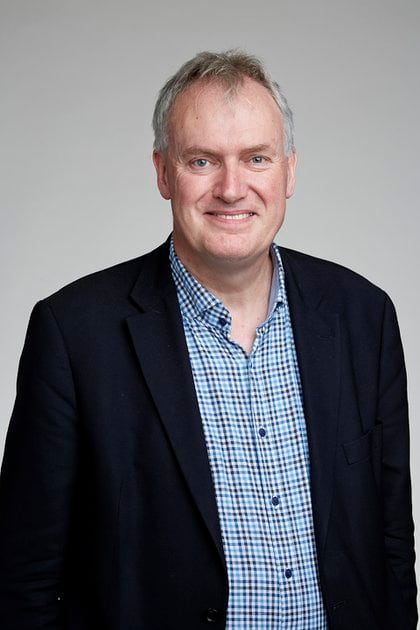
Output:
x,y
243,288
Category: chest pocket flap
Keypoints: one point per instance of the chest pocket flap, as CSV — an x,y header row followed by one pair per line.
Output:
x,y
362,448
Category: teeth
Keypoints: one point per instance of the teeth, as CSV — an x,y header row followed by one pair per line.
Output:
x,y
235,217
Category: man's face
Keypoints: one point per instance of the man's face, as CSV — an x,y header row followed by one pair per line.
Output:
x,y
226,175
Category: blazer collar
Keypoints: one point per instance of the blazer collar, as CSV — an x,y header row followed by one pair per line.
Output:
x,y
158,337
316,329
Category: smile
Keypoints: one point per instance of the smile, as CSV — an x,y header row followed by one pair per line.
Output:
x,y
233,217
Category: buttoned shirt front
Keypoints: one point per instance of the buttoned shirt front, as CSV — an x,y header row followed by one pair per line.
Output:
x,y
254,426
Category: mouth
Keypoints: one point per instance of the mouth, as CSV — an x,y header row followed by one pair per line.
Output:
x,y
240,216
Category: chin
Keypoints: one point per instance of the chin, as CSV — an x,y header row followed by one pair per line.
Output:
x,y
232,254
236,248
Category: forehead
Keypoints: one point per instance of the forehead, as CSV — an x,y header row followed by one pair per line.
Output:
x,y
210,109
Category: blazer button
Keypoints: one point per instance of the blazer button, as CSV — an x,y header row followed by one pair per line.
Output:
x,y
213,615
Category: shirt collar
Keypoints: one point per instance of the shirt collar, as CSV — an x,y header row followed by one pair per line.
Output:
x,y
277,291
197,301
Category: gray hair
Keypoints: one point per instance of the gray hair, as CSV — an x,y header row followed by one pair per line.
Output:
x,y
228,69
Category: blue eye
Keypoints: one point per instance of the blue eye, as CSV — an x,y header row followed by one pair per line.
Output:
x,y
257,159
201,162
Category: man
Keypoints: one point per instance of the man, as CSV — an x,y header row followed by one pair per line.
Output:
x,y
216,432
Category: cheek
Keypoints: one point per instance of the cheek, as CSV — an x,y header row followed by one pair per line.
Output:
x,y
270,186
278,190
191,190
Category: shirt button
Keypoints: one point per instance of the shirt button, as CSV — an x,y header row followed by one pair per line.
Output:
x,y
262,432
222,321
275,500
288,573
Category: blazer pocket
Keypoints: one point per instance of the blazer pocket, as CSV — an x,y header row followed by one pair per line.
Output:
x,y
364,447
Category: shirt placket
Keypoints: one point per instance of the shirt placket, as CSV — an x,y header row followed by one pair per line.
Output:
x,y
272,474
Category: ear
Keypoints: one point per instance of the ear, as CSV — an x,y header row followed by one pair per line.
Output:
x,y
159,160
291,175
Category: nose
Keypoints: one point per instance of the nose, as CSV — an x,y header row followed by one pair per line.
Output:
x,y
230,185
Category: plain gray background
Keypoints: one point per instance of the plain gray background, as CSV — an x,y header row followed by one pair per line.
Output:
x,y
77,193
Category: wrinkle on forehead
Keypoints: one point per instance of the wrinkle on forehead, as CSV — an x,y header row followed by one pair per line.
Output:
x,y
221,95
193,97
207,101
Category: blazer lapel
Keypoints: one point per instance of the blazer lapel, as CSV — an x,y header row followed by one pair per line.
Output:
x,y
158,337
316,331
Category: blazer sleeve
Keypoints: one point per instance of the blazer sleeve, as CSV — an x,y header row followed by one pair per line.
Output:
x,y
37,480
395,477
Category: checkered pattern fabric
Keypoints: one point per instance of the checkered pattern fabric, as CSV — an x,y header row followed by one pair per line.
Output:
x,y
251,408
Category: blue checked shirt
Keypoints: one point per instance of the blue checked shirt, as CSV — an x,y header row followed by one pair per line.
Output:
x,y
254,426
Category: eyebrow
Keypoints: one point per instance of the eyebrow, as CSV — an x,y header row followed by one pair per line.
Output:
x,y
197,150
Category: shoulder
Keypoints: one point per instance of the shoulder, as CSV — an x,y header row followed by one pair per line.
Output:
x,y
338,284
107,289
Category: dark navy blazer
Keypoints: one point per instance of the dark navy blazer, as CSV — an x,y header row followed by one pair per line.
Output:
x,y
108,518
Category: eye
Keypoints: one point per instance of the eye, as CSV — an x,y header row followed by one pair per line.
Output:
x,y
200,163
258,159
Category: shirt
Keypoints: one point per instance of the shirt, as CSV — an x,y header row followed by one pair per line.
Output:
x,y
254,427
